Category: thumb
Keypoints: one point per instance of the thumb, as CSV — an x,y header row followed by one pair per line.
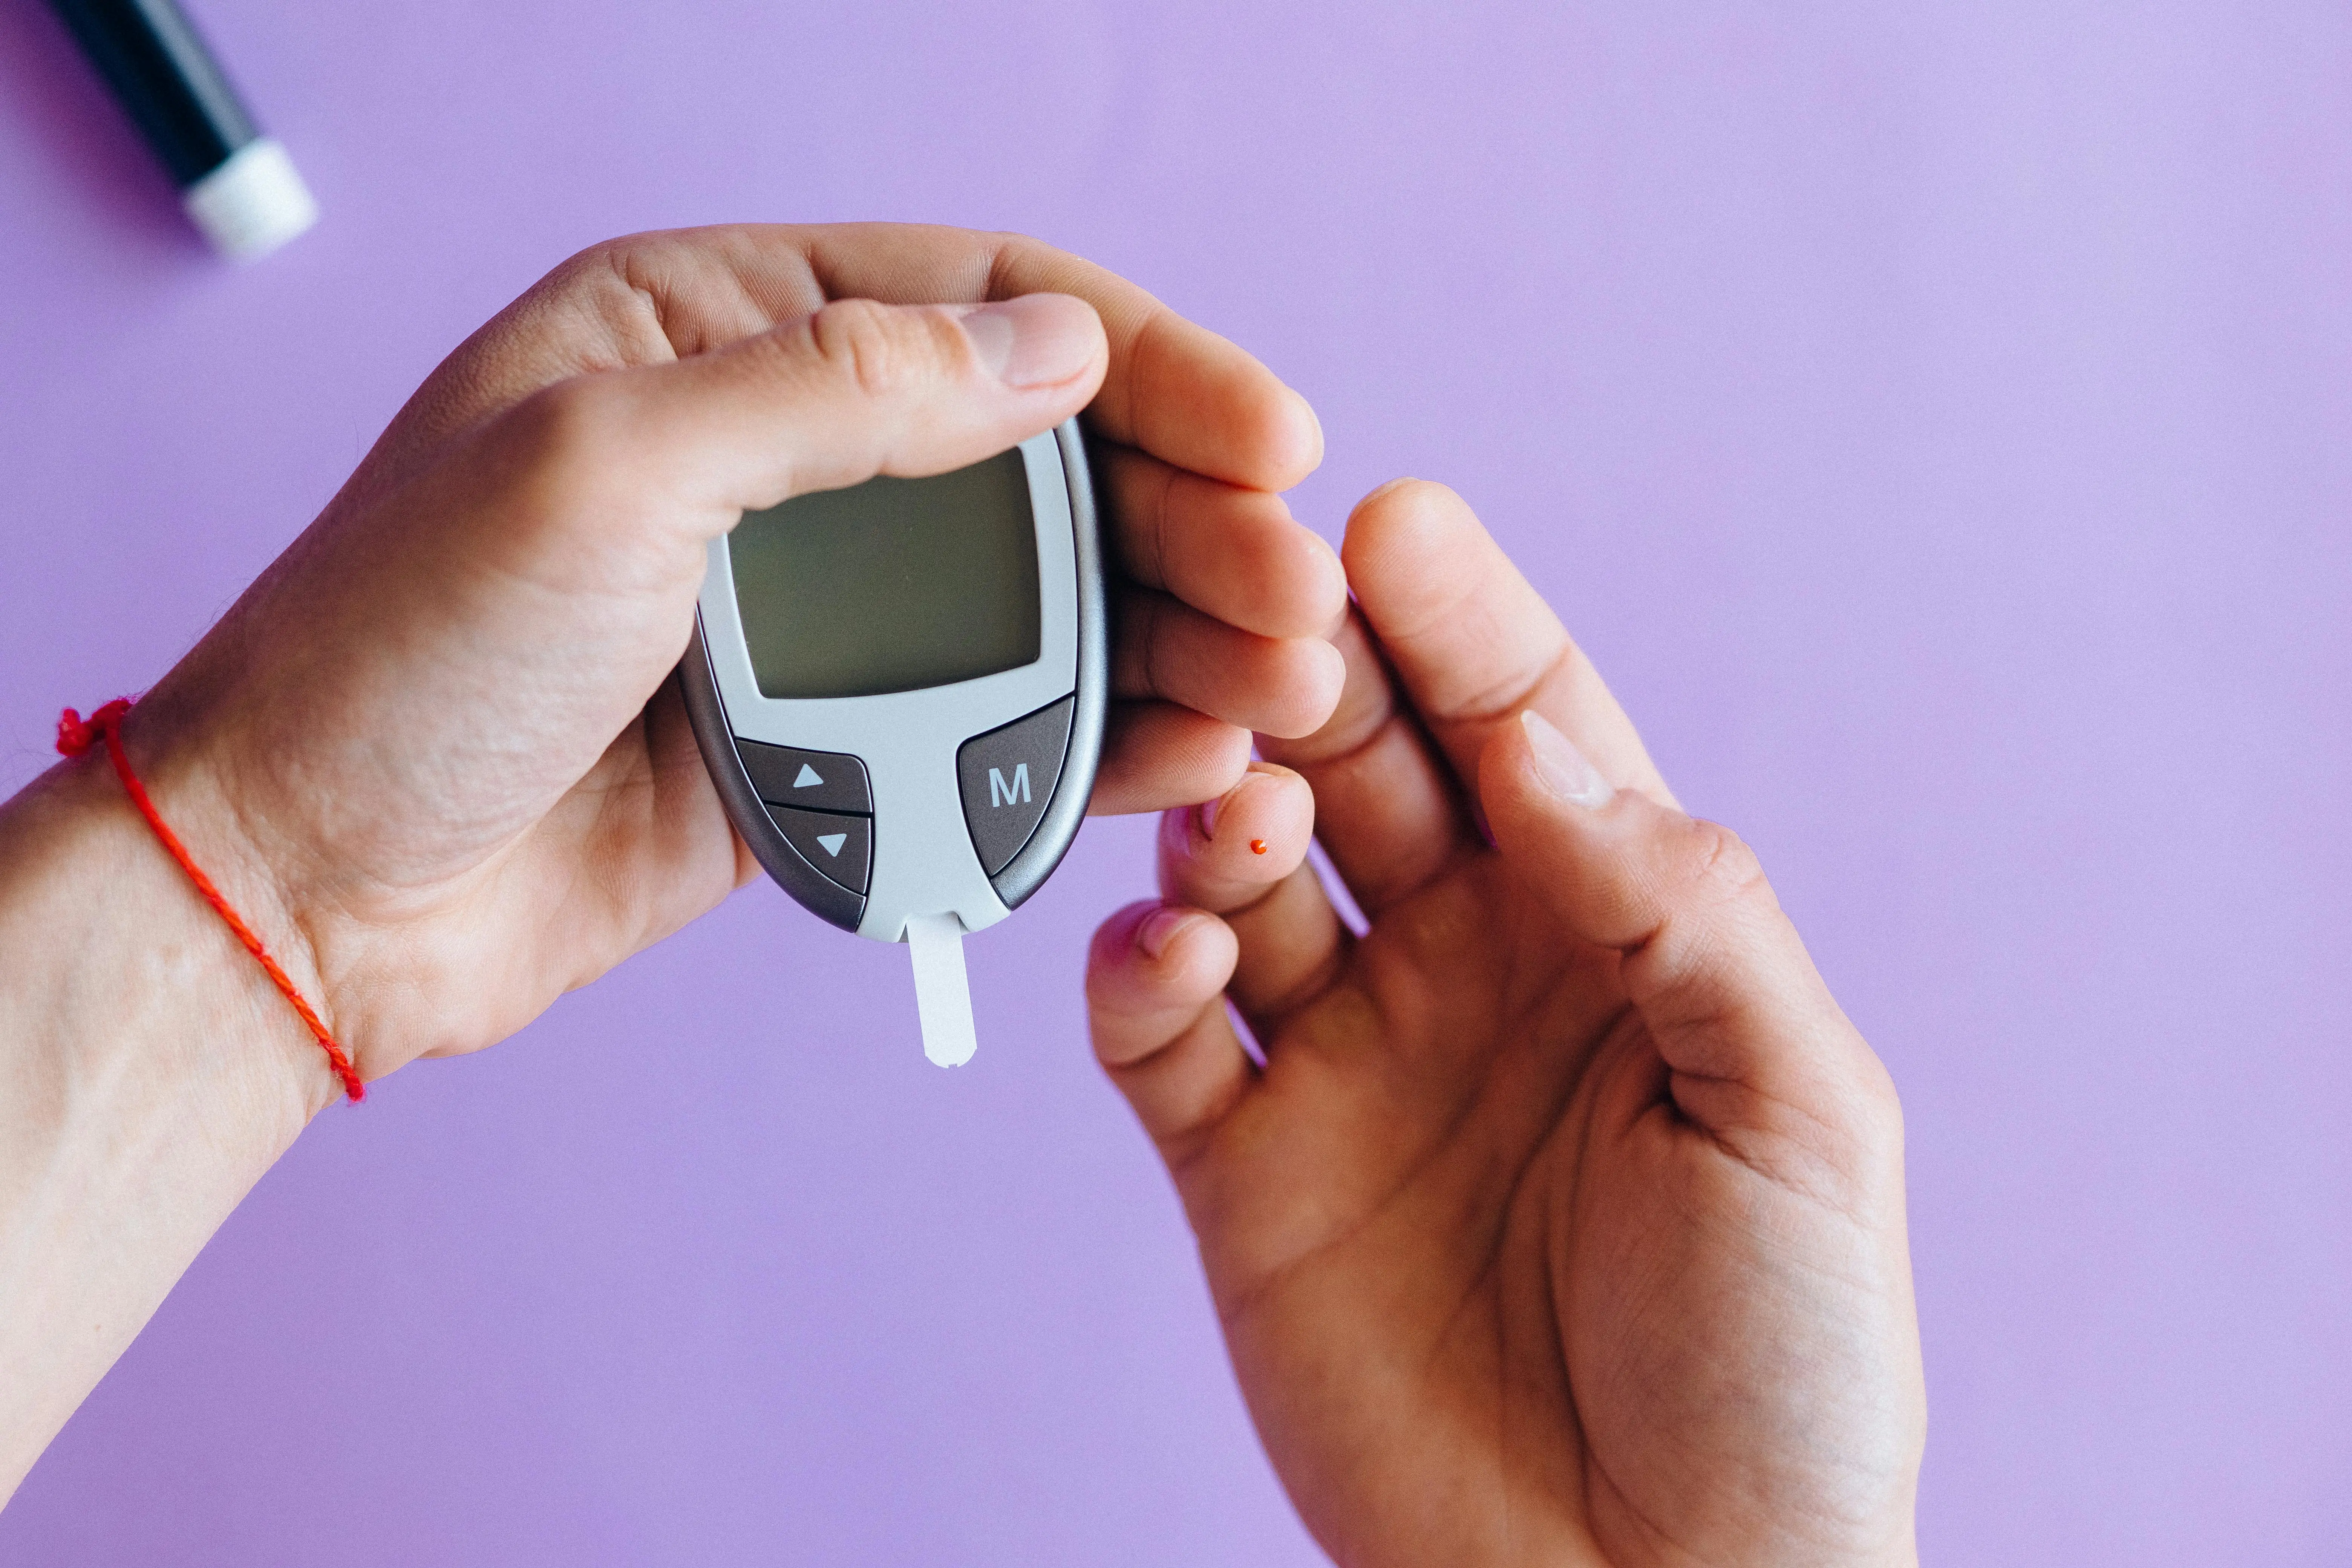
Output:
x,y
857,389
1750,1033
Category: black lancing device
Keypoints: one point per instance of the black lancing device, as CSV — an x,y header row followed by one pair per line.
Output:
x,y
237,186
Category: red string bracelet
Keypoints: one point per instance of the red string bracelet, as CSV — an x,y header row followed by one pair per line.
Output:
x,y
76,736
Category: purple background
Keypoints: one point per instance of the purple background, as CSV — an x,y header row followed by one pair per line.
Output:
x,y
1936,427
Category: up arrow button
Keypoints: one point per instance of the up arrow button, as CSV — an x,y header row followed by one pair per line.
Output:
x,y
813,780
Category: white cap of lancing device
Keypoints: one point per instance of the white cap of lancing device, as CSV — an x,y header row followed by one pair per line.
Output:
x,y
252,204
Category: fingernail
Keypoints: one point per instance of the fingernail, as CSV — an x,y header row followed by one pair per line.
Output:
x,y
1205,815
1159,928
1563,768
1034,340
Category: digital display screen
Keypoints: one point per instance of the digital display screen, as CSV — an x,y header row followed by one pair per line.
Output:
x,y
891,586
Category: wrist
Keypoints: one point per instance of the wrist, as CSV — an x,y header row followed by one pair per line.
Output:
x,y
119,972
151,1074
185,753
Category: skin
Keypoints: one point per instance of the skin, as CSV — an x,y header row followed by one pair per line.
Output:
x,y
1563,1222
436,754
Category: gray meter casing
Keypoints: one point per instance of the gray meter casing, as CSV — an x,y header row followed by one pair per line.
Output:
x,y
951,799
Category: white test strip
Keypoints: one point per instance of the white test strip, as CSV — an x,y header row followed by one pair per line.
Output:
x,y
942,992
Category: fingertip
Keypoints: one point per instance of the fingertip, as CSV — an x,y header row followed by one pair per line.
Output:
x,y
1287,583
1114,939
1401,533
1233,747
1161,929
1278,800
1203,403
1301,451
1259,568
1162,754
1317,678
1283,440
1225,853
1118,942
1381,491
1326,588
1150,969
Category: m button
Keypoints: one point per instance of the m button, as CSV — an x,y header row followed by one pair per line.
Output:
x,y
1007,777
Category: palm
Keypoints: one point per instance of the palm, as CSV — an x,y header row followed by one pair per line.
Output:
x,y
1384,1215
1500,1284
580,756
1547,1285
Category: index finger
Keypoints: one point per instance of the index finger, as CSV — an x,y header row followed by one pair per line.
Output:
x,y
1470,639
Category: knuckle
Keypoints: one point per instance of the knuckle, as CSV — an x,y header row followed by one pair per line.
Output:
x,y
554,454
1008,258
566,429
1718,869
601,264
613,281
563,426
587,269
611,254
885,352
629,254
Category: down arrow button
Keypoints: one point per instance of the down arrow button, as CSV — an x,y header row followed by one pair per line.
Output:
x,y
840,847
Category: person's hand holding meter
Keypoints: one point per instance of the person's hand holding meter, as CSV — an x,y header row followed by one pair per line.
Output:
x,y
438,755
449,705
1563,1219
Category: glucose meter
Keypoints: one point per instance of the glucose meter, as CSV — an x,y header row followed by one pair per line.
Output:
x,y
898,689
